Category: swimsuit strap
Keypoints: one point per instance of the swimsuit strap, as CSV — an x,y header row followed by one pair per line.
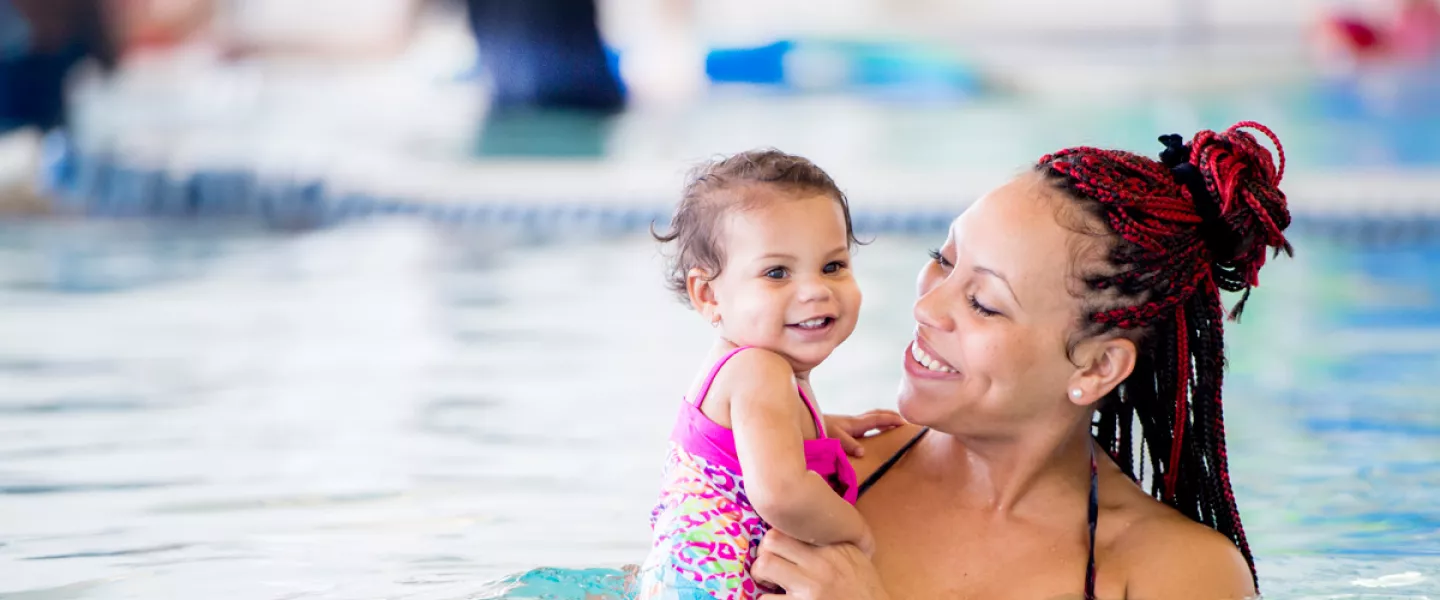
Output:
x,y
1093,513
715,370
1094,517
814,414
890,462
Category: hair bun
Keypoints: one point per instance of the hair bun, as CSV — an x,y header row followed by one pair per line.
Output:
x,y
1243,180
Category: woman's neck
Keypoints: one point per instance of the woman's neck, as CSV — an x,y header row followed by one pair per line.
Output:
x,y
1012,473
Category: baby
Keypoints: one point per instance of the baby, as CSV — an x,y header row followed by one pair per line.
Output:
x,y
762,244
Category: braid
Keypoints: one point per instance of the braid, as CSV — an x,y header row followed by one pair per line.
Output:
x,y
1165,271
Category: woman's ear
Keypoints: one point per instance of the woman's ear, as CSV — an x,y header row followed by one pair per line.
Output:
x,y
1104,364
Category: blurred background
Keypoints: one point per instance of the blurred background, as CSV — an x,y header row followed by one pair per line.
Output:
x,y
353,298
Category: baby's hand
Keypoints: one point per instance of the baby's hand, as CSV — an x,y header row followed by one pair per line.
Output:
x,y
847,428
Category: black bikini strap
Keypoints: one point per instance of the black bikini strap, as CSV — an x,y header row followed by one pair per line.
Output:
x,y
890,462
1094,518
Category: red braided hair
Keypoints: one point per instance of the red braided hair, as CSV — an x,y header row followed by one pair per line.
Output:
x,y
1166,265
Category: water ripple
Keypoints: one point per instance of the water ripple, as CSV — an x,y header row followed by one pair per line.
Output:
x,y
297,501
80,488
110,553
83,404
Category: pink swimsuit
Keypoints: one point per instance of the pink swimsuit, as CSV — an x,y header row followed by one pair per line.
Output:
x,y
706,533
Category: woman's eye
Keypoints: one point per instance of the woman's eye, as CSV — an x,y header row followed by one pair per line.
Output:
x,y
834,267
939,259
776,273
981,309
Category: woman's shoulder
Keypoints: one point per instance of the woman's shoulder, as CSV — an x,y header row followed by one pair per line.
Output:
x,y
1164,554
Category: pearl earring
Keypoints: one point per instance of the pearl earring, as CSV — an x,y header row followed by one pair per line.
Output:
x,y
1076,393
716,322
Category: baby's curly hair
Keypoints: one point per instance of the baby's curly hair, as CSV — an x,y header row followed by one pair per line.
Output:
x,y
714,188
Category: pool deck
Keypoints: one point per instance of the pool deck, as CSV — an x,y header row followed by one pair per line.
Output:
x,y
240,141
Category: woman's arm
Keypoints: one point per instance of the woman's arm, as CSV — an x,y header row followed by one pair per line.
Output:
x,y
807,572
765,413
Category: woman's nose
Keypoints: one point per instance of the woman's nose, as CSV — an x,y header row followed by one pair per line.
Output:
x,y
933,309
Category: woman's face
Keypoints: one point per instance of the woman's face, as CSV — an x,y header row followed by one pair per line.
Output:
x,y
993,317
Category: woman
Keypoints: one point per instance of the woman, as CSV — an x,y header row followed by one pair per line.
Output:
x,y
1066,307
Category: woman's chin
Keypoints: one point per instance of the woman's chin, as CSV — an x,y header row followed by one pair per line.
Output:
x,y
917,408
923,403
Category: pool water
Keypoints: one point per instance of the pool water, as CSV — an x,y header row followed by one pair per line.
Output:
x,y
389,409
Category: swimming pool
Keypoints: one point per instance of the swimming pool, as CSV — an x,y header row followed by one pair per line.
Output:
x,y
392,409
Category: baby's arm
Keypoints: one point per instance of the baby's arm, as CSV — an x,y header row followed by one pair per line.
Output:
x,y
765,410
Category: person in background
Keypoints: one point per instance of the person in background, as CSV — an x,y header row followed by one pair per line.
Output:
x,y
41,42
555,92
1412,38
545,53
1416,37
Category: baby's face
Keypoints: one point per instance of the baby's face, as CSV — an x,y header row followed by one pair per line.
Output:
x,y
787,285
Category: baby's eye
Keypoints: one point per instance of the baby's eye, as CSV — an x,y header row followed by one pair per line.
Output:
x,y
834,267
776,273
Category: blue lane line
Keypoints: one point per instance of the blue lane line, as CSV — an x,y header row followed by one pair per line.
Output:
x,y
98,186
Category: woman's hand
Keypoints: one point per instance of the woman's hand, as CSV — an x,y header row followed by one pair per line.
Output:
x,y
805,572
848,428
